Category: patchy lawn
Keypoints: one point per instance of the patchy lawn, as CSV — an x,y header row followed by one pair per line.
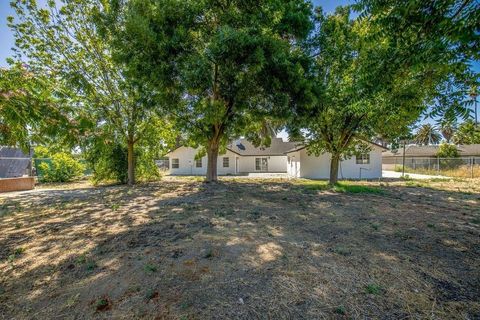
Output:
x,y
243,249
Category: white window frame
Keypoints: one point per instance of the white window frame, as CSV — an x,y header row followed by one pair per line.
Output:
x,y
260,160
227,162
363,158
175,163
198,163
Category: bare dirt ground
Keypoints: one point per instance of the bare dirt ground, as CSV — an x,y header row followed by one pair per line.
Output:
x,y
242,249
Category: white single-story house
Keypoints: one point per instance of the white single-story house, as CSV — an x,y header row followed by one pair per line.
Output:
x,y
366,166
241,157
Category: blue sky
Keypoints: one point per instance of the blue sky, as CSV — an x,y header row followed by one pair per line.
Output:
x,y
6,37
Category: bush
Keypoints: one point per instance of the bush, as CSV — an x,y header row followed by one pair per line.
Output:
x,y
62,168
447,151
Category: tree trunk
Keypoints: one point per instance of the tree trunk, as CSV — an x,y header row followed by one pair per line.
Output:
x,y
212,157
131,162
334,164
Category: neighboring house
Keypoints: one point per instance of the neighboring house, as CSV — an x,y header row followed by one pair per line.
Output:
x,y
241,157
421,155
13,162
366,166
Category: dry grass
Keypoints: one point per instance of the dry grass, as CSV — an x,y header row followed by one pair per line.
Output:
x,y
243,249
465,171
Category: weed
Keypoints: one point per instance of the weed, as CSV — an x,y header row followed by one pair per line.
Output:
x,y
344,251
210,254
185,305
81,259
16,253
72,300
413,184
150,268
475,221
375,226
255,214
90,265
151,294
340,310
102,304
373,289
115,207
350,188
431,225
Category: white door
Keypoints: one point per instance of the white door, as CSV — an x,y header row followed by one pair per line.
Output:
x,y
261,164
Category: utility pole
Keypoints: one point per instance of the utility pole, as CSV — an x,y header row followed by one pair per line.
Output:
x,y
403,158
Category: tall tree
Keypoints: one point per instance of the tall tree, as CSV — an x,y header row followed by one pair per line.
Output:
x,y
444,31
233,63
427,134
30,112
467,133
447,129
359,94
66,43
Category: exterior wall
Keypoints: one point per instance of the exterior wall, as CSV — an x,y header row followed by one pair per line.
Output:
x,y
313,167
17,184
186,157
294,164
275,163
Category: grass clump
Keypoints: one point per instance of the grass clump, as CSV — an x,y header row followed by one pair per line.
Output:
x,y
102,304
340,310
373,289
15,254
353,188
150,268
343,251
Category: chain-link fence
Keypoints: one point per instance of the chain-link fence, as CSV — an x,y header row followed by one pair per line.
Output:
x,y
463,167
15,167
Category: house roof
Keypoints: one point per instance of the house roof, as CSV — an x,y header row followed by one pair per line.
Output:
x,y
302,146
464,150
277,147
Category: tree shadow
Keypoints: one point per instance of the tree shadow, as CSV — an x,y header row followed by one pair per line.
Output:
x,y
238,250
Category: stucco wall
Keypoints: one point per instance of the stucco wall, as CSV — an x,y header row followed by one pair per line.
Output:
x,y
186,157
275,163
294,164
313,167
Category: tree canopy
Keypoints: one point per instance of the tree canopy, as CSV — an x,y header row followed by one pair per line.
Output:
x,y
232,63
29,112
66,43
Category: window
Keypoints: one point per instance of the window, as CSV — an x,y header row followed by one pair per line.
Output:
x,y
261,164
175,164
363,158
226,162
198,163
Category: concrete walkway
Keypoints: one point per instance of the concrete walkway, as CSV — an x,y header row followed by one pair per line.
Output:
x,y
261,175
394,174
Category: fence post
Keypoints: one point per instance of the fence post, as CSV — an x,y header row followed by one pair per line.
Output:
x,y
438,164
471,167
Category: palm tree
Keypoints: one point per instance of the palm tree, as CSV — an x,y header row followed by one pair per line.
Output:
x,y
427,134
448,128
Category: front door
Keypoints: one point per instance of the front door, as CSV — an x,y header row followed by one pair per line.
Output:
x,y
261,164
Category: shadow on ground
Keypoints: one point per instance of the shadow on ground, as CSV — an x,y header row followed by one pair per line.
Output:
x,y
239,249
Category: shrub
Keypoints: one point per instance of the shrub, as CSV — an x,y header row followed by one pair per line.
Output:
x,y
62,168
447,151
